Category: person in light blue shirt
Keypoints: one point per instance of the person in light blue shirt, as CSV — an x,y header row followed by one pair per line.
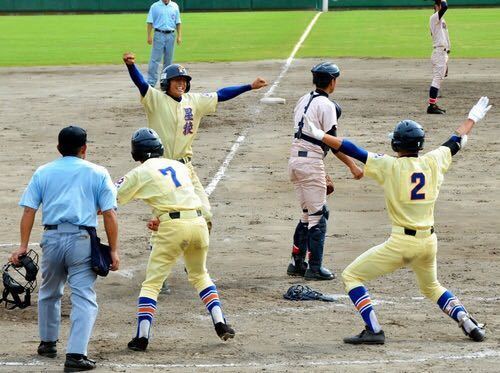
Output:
x,y
165,19
71,191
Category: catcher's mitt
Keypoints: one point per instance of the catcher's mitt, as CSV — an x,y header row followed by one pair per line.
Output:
x,y
302,292
330,187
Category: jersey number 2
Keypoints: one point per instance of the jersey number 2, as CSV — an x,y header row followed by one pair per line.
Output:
x,y
419,178
166,171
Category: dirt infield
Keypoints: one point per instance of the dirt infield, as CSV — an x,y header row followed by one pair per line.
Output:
x,y
255,214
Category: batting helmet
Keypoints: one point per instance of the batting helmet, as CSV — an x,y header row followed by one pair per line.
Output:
x,y
174,71
20,279
146,144
408,136
324,72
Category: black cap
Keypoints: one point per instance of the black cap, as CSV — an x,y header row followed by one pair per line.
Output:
x,y
72,137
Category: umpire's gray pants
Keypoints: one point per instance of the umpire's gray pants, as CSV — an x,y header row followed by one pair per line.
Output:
x,y
66,256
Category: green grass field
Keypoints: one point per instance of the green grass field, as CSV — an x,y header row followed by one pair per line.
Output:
x,y
239,36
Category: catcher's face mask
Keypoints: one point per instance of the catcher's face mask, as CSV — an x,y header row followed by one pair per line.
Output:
x,y
20,279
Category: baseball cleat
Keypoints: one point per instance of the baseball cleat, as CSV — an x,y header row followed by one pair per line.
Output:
x,y
47,349
297,267
74,364
367,337
434,109
138,344
224,331
318,274
165,289
477,334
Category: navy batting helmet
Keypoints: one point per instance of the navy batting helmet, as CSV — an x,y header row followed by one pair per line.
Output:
x,y
174,71
146,144
324,72
408,136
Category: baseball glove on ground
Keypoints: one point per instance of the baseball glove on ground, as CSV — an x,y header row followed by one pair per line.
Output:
x,y
302,292
330,187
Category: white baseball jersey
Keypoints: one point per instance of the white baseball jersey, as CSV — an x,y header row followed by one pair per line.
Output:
x,y
321,112
439,32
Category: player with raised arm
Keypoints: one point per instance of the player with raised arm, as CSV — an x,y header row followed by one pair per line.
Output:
x,y
411,184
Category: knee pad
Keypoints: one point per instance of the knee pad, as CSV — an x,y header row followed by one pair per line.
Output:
x,y
319,218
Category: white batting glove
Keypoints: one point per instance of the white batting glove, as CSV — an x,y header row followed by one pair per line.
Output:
x,y
479,110
311,130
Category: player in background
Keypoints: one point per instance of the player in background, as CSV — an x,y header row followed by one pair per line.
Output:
x,y
411,184
307,173
166,186
439,58
175,114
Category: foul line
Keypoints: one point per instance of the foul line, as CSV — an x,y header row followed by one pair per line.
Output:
x,y
222,169
471,356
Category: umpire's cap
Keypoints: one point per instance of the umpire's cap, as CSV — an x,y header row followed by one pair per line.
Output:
x,y
71,139
173,71
146,144
324,72
408,136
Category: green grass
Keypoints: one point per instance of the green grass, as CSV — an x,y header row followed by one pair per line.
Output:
x,y
474,33
239,36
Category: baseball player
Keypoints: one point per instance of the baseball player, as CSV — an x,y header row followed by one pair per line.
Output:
x,y
439,58
307,173
411,185
166,186
175,114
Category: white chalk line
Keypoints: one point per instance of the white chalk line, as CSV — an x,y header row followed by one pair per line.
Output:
x,y
17,244
222,169
485,354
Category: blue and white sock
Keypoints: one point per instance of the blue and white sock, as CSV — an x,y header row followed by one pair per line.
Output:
x,y
146,308
450,305
363,304
210,297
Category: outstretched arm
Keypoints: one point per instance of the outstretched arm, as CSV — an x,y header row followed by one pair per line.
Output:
x,y
443,9
459,138
135,74
228,93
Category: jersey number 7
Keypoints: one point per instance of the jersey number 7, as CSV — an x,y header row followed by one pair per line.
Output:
x,y
166,171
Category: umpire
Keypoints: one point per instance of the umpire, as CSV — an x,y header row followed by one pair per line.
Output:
x,y
71,190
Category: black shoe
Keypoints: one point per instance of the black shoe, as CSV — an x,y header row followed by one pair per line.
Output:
x,y
477,334
47,349
297,268
165,289
224,331
367,337
434,109
80,364
138,344
318,274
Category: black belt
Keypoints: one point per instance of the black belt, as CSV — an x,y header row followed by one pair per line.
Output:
x,y
184,160
309,139
164,31
413,232
54,227
177,214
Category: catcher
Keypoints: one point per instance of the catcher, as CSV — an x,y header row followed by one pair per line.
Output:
x,y
307,173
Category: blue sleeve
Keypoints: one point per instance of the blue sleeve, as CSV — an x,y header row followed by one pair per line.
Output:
x,y
138,79
228,93
32,196
444,8
352,150
106,198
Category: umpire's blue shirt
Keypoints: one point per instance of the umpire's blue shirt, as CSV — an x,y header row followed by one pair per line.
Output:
x,y
164,17
70,190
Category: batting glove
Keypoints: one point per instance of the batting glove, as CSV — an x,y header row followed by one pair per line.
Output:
x,y
311,130
480,109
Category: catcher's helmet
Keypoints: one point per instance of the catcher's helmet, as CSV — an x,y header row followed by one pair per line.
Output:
x,y
174,71
22,279
146,144
338,110
408,136
324,72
